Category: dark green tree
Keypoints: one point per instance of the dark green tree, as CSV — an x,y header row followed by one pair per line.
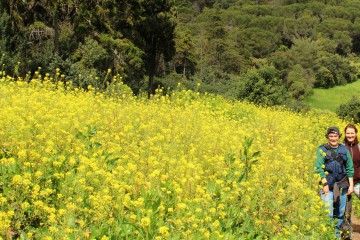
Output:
x,y
297,84
109,23
305,52
28,35
324,78
184,59
256,42
263,86
340,67
154,28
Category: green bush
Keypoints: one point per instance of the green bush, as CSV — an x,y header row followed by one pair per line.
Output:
x,y
324,78
263,87
350,111
340,68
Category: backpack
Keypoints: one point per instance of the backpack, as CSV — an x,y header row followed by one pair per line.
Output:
x,y
334,163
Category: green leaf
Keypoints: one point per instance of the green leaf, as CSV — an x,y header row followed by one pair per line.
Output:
x,y
80,135
156,205
97,144
255,154
254,161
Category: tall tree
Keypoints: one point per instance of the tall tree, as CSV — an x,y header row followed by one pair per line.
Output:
x,y
184,59
110,24
154,34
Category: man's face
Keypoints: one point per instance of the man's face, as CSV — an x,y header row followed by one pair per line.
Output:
x,y
333,139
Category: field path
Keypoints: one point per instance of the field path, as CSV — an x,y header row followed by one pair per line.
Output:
x,y
356,228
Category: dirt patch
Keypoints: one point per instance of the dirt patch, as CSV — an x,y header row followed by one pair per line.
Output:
x,y
356,228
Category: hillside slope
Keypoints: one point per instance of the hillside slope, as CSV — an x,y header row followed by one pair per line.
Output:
x,y
330,99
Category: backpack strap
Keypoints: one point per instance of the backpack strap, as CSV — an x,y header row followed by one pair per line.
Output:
x,y
334,154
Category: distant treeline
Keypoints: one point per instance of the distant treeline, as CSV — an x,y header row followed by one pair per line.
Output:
x,y
265,51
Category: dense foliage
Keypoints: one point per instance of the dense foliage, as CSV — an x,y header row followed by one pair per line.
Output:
x,y
310,44
350,110
86,38
225,45
80,164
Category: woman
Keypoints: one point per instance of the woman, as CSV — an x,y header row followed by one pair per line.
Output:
x,y
351,142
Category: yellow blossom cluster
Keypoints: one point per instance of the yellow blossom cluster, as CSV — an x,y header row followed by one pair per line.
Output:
x,y
79,164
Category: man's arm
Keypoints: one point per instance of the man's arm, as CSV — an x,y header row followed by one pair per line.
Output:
x,y
319,164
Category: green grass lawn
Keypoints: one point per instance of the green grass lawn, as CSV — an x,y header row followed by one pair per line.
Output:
x,y
331,98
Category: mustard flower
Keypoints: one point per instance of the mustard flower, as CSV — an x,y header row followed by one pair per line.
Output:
x,y
145,222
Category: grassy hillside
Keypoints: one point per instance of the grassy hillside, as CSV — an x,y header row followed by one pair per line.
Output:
x,y
330,99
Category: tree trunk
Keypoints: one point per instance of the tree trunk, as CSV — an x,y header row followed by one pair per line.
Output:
x,y
151,84
184,68
152,63
56,31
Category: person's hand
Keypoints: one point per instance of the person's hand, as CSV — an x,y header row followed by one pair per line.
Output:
x,y
350,190
326,189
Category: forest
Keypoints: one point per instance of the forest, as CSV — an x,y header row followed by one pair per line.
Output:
x,y
269,52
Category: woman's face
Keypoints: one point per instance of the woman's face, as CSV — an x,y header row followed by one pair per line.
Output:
x,y
350,134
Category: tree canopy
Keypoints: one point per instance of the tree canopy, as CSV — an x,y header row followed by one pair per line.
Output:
x,y
218,43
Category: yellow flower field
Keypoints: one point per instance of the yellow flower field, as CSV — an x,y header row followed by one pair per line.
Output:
x,y
82,165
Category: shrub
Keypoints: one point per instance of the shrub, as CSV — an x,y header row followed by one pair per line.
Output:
x,y
263,87
350,110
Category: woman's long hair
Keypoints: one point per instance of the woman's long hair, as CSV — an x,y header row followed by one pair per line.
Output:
x,y
356,141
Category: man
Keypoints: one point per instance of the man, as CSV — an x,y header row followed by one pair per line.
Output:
x,y
334,165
